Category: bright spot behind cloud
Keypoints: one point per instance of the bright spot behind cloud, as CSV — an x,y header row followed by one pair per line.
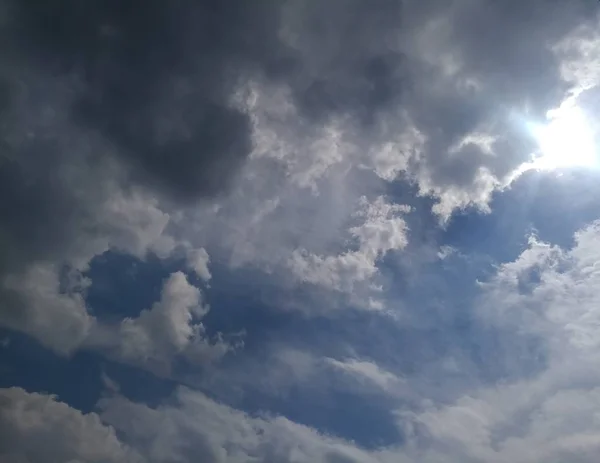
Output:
x,y
566,141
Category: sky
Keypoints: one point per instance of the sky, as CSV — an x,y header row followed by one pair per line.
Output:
x,y
288,231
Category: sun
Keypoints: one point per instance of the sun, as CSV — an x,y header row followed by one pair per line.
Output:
x,y
567,140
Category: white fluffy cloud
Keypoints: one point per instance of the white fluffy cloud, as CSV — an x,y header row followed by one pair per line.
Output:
x,y
371,374
381,229
551,293
198,260
171,327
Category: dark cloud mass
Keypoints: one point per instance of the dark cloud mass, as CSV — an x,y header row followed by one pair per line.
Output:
x,y
101,97
157,78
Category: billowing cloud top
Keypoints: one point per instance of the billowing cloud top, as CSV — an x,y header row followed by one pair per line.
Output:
x,y
299,231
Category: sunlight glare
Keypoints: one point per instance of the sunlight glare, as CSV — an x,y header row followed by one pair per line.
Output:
x,y
566,141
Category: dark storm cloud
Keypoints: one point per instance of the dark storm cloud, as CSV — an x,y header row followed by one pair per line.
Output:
x,y
151,82
36,202
158,77
102,97
355,67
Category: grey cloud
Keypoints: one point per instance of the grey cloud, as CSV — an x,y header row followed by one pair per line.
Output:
x,y
160,92
482,69
543,419
99,96
95,97
33,303
158,80
152,80
192,426
455,126
60,207
38,428
349,48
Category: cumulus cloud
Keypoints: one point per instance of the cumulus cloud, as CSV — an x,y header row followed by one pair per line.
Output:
x,y
290,137
551,291
171,327
530,421
194,426
382,229
58,320
113,121
111,98
60,208
161,85
39,428
461,100
449,124
198,260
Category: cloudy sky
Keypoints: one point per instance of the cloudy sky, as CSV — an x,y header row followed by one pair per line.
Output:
x,y
282,231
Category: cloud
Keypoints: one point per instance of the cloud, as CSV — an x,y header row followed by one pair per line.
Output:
x,y
155,85
41,257
289,368
450,125
550,293
295,142
161,86
463,100
73,156
58,320
548,418
171,328
116,124
60,208
364,371
193,426
38,428
198,260
154,112
381,230
580,52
